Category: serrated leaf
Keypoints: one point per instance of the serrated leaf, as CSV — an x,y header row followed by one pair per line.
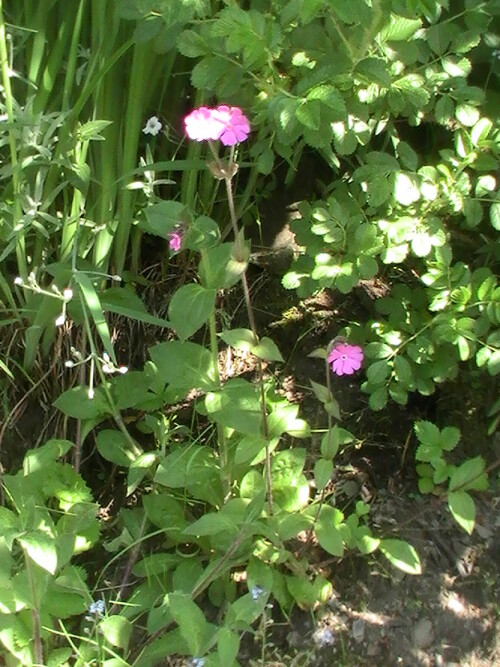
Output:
x,y
470,475
373,70
495,215
406,190
309,114
41,548
427,433
402,555
378,399
399,29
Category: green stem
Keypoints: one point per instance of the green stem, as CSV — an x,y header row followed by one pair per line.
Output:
x,y
251,319
35,613
221,433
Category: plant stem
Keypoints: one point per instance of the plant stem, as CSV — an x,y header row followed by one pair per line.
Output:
x,y
221,434
251,319
35,613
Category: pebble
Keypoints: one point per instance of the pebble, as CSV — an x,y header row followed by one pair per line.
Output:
x,y
358,630
423,634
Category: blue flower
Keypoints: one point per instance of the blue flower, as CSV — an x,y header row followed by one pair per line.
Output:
x,y
97,608
324,637
197,662
257,592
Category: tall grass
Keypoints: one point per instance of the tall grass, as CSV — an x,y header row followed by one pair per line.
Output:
x,y
79,84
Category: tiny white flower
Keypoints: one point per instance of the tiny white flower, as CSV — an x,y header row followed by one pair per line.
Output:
x,y
91,393
116,279
61,320
68,294
18,280
153,126
105,356
123,370
69,363
106,368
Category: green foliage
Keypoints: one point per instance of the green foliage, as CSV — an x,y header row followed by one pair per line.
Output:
x,y
435,472
384,94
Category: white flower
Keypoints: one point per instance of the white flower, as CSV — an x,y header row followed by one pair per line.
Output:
x,y
69,363
61,320
18,280
153,126
68,294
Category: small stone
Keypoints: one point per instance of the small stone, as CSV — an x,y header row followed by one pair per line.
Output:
x,y
358,630
373,649
423,634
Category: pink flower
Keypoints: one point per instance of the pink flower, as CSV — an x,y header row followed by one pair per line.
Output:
x,y
229,124
345,359
201,125
236,127
174,240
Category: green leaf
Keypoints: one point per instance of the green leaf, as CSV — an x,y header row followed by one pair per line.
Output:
x,y
427,433
220,268
96,310
470,475
378,399
329,96
190,619
113,446
41,548
190,308
463,509
228,644
399,29
406,190
76,403
495,215
184,364
373,70
480,130
402,555
444,110
449,438
267,349
327,530
379,371
124,301
323,470
467,114
308,113
38,459
211,524
116,630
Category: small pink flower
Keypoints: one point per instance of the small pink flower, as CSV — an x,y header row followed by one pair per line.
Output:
x,y
229,124
236,127
345,359
201,125
174,240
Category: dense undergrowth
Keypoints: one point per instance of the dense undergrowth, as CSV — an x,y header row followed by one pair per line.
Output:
x,y
136,133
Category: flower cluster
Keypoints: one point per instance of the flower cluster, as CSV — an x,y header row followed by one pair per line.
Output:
x,y
345,359
229,125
